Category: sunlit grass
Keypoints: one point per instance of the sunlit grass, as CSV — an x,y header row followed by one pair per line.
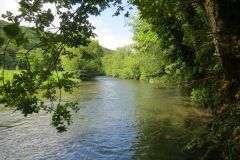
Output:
x,y
8,75
1,107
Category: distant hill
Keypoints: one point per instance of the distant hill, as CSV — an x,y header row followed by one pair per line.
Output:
x,y
30,34
107,51
11,54
11,57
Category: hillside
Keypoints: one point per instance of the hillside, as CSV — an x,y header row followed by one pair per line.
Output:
x,y
13,59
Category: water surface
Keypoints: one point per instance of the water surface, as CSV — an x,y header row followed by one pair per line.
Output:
x,y
118,119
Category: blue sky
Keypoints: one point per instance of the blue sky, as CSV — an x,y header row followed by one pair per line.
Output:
x,y
112,32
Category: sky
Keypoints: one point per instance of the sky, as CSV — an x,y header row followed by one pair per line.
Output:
x,y
112,32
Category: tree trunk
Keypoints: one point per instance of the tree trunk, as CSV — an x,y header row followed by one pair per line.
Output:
x,y
225,25
224,18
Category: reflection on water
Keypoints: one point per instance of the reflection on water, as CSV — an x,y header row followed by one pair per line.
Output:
x,y
118,119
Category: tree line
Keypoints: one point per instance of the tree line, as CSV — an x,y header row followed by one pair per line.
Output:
x,y
192,44
85,61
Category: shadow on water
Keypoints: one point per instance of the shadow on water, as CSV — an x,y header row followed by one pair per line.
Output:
x,y
166,122
164,141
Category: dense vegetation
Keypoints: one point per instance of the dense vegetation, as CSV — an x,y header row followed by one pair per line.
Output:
x,y
175,45
13,59
28,65
182,43
85,61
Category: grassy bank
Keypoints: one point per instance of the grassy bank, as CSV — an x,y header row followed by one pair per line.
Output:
x,y
1,107
8,75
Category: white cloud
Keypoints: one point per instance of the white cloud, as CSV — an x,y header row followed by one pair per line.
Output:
x,y
9,5
111,40
106,31
95,21
12,5
105,34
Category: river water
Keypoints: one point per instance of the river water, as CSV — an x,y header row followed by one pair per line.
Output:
x,y
118,119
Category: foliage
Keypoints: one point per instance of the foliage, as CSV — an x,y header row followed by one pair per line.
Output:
x,y
39,57
173,45
14,55
87,61
146,59
122,63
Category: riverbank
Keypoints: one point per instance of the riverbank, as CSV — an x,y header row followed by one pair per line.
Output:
x,y
1,107
8,75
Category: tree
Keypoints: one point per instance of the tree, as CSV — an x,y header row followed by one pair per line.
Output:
x,y
213,75
87,62
73,30
223,18
122,63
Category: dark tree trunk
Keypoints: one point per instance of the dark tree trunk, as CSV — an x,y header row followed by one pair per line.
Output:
x,y
224,18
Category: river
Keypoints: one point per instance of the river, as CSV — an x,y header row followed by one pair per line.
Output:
x,y
118,119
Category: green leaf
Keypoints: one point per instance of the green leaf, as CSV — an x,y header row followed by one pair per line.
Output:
x,y
12,30
1,41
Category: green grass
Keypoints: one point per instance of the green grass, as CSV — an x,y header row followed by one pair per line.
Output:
x,y
8,75
2,107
